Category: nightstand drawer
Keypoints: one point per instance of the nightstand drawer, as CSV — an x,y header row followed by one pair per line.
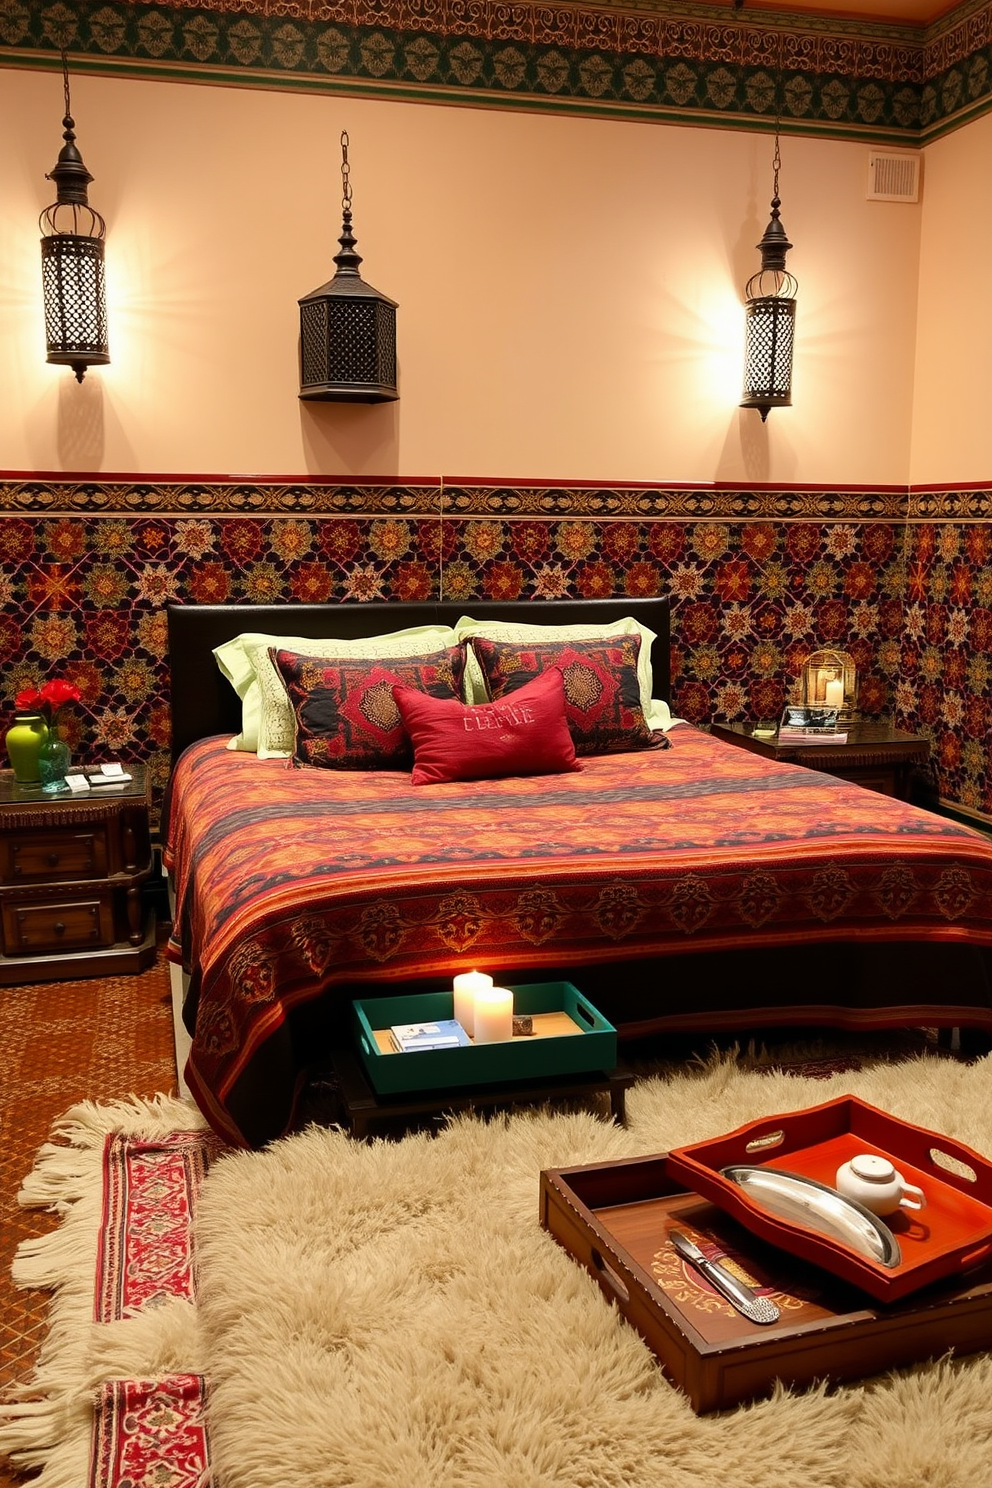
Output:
x,y
73,867
51,857
75,924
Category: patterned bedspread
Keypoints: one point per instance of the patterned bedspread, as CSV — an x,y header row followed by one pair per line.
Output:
x,y
294,882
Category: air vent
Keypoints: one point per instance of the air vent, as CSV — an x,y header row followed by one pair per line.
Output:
x,y
893,177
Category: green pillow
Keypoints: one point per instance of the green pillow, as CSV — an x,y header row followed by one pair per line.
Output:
x,y
267,722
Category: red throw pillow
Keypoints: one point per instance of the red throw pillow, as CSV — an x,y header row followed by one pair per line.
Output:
x,y
346,716
525,735
602,691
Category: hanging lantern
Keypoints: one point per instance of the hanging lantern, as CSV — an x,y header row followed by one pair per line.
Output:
x,y
347,328
72,266
770,317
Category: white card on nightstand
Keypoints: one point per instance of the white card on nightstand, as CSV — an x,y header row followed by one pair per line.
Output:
x,y
77,782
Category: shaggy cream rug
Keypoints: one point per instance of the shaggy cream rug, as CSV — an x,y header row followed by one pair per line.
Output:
x,y
393,1316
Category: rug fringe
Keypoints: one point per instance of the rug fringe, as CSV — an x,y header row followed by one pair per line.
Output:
x,y
78,1357
46,1423
54,1443
89,1122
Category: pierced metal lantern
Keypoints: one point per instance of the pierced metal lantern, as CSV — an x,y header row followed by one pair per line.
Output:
x,y
347,328
72,265
771,318
830,680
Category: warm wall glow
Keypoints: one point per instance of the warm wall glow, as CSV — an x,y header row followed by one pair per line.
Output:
x,y
580,323
952,430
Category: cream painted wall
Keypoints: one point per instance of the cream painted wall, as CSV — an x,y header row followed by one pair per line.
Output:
x,y
569,292
952,423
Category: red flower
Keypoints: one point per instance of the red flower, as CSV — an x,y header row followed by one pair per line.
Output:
x,y
48,700
58,692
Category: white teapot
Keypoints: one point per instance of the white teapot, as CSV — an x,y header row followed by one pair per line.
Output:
x,y
875,1183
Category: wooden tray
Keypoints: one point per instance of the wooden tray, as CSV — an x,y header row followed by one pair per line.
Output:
x,y
614,1218
951,1235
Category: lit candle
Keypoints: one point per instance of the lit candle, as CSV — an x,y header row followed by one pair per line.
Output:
x,y
467,984
493,1015
834,693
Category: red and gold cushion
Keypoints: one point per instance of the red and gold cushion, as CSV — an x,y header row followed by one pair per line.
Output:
x,y
602,691
345,713
526,734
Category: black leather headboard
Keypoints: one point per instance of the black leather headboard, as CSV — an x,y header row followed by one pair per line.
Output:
x,y
204,703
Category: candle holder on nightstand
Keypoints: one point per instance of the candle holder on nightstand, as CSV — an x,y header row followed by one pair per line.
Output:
x,y
830,680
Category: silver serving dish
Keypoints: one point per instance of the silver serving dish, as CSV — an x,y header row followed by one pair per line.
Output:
x,y
818,1207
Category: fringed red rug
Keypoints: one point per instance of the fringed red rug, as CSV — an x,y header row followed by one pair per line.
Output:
x,y
125,1179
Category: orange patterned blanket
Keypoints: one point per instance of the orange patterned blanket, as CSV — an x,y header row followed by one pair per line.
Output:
x,y
299,888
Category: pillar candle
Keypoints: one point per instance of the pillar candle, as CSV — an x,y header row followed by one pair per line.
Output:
x,y
834,693
466,985
493,1015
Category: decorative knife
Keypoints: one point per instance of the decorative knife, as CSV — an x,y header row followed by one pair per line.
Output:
x,y
756,1309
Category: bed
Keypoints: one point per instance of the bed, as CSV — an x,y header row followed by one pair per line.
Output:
x,y
689,888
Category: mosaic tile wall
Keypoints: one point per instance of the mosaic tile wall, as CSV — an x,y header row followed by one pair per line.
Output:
x,y
943,686
757,578
677,62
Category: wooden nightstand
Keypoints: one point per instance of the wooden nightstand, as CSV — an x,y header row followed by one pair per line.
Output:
x,y
875,754
71,871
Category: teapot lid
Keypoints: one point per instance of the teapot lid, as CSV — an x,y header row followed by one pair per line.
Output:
x,y
872,1168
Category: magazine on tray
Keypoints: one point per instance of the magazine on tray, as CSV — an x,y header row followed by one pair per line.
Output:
x,y
446,1033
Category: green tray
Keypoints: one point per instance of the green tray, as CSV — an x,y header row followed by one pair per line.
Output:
x,y
522,1058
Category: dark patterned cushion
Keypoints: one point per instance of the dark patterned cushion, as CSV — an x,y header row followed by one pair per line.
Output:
x,y
525,735
345,712
602,692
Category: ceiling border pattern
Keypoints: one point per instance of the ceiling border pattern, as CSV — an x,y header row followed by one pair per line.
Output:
x,y
887,85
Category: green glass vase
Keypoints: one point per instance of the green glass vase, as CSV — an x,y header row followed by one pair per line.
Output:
x,y
54,760
23,742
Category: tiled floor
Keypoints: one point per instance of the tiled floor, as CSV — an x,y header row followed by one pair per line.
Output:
x,y
62,1042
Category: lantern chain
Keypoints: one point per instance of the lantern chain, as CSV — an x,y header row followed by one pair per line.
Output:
x,y
68,122
345,173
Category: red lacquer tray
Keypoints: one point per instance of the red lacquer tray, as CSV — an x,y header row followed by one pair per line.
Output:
x,y
950,1236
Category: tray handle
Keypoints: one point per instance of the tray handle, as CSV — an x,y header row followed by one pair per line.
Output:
x,y
972,1258
951,1165
585,1012
609,1277
764,1142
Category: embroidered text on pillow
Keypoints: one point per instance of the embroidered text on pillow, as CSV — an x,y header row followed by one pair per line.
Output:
x,y
497,716
484,741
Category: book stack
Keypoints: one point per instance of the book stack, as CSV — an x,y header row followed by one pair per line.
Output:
x,y
446,1033
811,734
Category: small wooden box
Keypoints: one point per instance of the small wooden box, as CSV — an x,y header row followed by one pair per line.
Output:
x,y
614,1219
570,1037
